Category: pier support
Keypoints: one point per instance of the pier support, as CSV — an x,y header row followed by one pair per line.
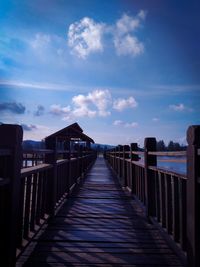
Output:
x,y
149,160
11,139
193,196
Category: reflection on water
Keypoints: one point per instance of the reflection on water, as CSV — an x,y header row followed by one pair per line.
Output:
x,y
172,165
179,167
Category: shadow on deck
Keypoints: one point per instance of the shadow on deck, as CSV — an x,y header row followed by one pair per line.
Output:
x,y
99,225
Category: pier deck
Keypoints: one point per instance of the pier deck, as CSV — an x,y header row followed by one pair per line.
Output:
x,y
99,225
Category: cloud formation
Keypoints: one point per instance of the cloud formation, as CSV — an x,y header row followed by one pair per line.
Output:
x,y
29,127
96,103
121,103
179,107
125,124
117,123
58,110
13,107
39,111
85,37
100,99
125,41
47,48
40,41
93,104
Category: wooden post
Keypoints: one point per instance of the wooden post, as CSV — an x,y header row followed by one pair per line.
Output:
x,y
116,159
149,160
193,196
11,138
120,147
126,148
134,147
81,161
133,157
51,159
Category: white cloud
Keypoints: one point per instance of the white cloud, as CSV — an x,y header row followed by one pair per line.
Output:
x,y
155,119
98,99
125,41
127,24
85,37
93,104
131,125
125,124
121,103
128,45
35,132
142,14
40,40
58,110
118,123
47,49
179,107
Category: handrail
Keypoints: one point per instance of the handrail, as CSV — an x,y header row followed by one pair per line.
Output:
x,y
168,153
31,195
170,199
35,169
37,151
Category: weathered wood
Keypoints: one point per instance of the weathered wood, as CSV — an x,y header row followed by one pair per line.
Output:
x,y
149,160
193,196
99,225
126,149
11,138
175,209
51,143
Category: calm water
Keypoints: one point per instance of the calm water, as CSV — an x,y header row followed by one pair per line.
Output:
x,y
174,166
179,167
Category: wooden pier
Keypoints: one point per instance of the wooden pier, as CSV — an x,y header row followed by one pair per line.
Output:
x,y
100,225
73,209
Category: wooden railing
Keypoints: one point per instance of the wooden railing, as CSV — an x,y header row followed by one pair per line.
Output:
x,y
29,196
171,200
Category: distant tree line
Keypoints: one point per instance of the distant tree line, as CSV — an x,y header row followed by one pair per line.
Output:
x,y
172,146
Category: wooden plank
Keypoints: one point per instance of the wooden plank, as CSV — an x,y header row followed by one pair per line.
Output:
x,y
104,258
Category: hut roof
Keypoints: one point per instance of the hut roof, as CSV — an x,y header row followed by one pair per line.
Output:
x,y
71,132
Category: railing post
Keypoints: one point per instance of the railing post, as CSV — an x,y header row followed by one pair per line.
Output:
x,y
193,196
120,162
116,159
51,159
80,155
11,138
134,147
133,157
126,148
149,160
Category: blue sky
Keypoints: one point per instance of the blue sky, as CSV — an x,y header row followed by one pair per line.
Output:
x,y
124,70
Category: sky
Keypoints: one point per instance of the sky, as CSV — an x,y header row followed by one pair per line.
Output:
x,y
123,69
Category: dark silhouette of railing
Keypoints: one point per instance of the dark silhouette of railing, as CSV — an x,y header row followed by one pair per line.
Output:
x,y
29,196
171,200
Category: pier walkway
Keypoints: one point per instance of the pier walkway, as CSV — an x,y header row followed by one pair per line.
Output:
x,y
99,225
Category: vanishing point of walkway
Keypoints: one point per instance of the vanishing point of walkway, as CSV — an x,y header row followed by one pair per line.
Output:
x,y
100,226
